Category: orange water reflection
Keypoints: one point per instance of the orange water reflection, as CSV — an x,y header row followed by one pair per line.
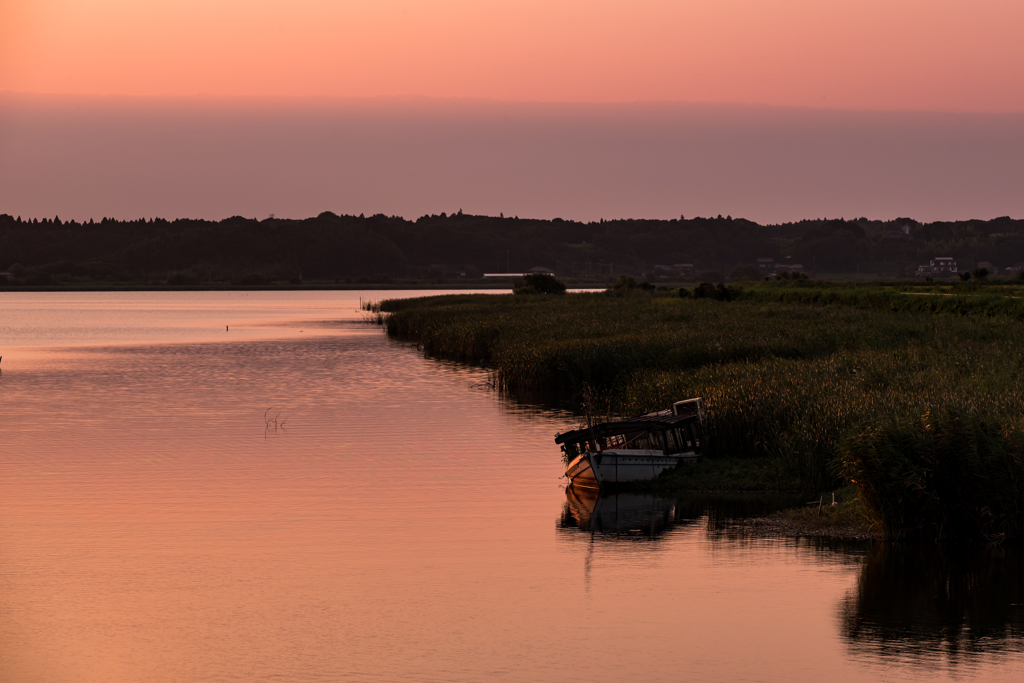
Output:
x,y
398,526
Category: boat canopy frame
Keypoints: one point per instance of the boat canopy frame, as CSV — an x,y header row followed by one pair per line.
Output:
x,y
594,438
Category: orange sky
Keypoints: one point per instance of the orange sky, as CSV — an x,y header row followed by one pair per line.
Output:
x,y
860,54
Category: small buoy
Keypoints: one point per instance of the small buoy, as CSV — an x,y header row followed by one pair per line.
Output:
x,y
225,328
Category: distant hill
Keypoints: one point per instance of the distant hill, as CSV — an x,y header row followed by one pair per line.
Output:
x,y
331,247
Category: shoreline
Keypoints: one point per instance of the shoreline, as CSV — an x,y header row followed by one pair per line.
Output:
x,y
892,286
228,287
780,526
834,386
846,519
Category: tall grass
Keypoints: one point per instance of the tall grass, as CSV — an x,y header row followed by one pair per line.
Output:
x,y
954,476
1002,299
783,380
797,411
551,344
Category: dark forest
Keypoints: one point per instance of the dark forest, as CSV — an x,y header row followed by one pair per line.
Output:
x,y
345,249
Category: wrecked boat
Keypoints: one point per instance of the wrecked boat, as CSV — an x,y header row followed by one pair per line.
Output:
x,y
634,449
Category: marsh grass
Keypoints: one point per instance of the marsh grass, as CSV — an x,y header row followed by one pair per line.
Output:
x,y
1004,299
953,476
847,518
785,380
739,475
849,514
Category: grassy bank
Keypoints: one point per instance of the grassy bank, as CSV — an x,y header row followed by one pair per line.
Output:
x,y
848,518
1000,298
946,475
786,376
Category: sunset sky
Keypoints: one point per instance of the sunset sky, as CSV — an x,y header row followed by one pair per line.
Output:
x,y
939,57
948,55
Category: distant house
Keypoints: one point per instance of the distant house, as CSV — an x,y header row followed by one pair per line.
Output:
x,y
684,269
943,266
989,267
542,269
5,276
664,271
766,264
789,268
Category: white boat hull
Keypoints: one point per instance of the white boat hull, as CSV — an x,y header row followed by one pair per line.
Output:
x,y
621,466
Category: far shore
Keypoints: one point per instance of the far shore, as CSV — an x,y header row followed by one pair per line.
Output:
x,y
505,284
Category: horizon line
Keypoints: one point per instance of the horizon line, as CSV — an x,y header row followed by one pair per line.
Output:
x,y
362,216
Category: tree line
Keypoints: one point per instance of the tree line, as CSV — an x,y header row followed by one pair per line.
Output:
x,y
332,247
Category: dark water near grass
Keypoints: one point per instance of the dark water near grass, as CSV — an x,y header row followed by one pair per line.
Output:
x,y
399,521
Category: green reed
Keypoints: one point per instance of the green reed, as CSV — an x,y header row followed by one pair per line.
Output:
x,y
949,476
999,298
782,380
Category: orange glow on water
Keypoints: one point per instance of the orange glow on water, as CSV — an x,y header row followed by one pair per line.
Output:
x,y
864,54
406,524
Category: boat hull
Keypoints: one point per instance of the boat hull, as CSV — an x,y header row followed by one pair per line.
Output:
x,y
592,470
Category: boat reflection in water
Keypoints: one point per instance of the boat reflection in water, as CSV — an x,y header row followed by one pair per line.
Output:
x,y
914,605
619,513
920,603
636,515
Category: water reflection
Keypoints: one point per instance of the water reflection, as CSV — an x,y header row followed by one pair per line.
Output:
x,y
620,514
926,601
634,515
154,528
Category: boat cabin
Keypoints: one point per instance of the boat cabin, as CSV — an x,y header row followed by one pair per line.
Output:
x,y
676,430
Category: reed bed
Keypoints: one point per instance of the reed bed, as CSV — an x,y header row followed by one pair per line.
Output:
x,y
1001,299
555,344
952,476
789,381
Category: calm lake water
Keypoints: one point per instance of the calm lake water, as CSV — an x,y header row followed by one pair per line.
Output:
x,y
399,521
